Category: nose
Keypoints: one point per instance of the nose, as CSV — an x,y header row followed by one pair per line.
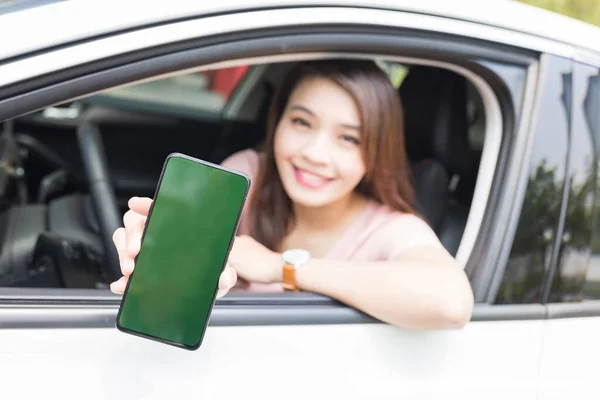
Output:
x,y
318,150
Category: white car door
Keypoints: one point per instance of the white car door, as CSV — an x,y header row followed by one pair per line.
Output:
x,y
572,291
62,342
68,356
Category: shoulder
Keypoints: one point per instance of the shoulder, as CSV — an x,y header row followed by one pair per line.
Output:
x,y
245,161
248,162
403,231
408,226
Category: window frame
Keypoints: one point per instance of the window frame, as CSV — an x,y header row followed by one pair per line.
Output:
x,y
364,39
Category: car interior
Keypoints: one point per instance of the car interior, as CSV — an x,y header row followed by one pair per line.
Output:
x,y
69,170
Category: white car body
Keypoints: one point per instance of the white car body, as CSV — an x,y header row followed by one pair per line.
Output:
x,y
63,344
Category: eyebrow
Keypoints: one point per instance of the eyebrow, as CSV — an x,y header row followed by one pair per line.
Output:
x,y
306,110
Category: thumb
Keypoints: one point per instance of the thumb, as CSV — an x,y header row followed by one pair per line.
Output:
x,y
140,205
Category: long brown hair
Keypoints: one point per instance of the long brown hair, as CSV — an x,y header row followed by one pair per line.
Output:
x,y
382,145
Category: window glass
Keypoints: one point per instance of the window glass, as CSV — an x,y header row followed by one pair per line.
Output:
x,y
591,109
197,92
533,244
571,259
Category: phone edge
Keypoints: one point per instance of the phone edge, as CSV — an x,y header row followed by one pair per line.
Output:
x,y
117,319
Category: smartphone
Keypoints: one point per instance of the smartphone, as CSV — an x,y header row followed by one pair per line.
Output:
x,y
189,232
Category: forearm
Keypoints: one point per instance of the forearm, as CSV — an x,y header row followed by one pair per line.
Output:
x,y
412,294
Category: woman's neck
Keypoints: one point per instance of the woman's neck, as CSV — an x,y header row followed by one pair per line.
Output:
x,y
329,217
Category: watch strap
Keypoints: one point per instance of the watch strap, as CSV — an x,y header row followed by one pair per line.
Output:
x,y
289,277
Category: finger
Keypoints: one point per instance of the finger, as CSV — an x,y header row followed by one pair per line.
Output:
x,y
228,278
118,287
134,226
120,241
227,281
140,205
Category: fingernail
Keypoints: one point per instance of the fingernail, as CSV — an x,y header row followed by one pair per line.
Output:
x,y
227,282
223,284
231,278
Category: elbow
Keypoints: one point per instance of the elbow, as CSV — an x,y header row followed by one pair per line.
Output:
x,y
443,310
455,315
456,308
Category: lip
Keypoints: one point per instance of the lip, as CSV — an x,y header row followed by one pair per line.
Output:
x,y
310,179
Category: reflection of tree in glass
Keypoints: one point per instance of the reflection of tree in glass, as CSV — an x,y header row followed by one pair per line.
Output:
x,y
541,203
591,108
568,279
534,239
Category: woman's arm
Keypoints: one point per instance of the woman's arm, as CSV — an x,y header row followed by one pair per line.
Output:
x,y
421,289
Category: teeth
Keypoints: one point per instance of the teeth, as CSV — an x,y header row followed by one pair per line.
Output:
x,y
311,177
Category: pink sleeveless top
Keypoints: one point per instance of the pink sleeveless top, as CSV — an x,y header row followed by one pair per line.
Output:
x,y
377,234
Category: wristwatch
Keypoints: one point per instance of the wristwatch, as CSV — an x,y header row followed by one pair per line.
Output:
x,y
293,259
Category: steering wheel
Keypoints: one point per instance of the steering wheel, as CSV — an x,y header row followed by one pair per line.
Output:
x,y
102,193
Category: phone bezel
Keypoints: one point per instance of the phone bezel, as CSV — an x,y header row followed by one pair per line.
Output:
x,y
214,297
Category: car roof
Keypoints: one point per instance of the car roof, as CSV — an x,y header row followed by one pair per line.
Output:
x,y
37,25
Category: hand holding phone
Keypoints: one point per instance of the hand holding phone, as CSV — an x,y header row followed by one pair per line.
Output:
x,y
185,242
128,241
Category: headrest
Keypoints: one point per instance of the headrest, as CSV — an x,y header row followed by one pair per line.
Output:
x,y
435,115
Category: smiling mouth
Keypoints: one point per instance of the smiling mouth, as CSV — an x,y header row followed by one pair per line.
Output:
x,y
310,179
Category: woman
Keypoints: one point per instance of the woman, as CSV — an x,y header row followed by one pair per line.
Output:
x,y
333,184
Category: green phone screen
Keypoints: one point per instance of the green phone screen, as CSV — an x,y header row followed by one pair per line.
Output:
x,y
184,250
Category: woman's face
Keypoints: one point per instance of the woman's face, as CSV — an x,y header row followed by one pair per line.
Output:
x,y
317,144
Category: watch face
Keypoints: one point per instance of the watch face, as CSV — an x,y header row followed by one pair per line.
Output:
x,y
296,256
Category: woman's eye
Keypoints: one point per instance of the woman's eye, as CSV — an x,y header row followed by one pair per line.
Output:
x,y
350,139
300,121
